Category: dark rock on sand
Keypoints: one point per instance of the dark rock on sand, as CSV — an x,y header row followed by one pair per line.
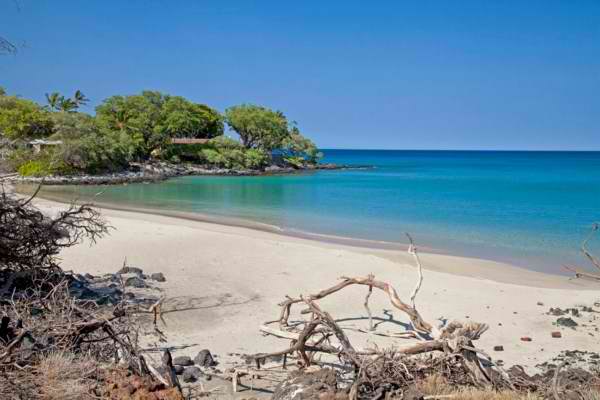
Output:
x,y
567,322
183,360
205,359
158,277
191,374
135,281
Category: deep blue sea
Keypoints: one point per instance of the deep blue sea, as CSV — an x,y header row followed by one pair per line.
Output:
x,y
529,208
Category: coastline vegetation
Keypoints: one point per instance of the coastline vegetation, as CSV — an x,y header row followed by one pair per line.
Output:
x,y
141,128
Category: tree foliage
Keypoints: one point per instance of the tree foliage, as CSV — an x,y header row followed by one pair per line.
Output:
x,y
152,118
258,127
138,127
182,118
22,119
298,146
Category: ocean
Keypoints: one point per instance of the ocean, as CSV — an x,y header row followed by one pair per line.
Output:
x,y
531,209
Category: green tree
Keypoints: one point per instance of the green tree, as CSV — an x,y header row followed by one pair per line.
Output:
x,y
53,99
2,91
151,118
79,99
66,105
67,126
136,116
300,147
23,119
182,118
258,127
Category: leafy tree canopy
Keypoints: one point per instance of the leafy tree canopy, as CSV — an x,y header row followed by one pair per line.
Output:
x,y
152,117
258,127
67,126
296,145
182,118
23,119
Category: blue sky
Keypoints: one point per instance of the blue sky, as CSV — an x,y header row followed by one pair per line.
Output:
x,y
354,74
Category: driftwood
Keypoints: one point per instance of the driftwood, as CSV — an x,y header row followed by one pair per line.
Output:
x,y
581,273
418,323
320,333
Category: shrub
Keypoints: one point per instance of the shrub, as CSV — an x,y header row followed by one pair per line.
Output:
x,y
95,153
213,157
255,159
45,164
34,168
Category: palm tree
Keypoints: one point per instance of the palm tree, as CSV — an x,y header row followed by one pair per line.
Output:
x,y
66,104
54,99
79,99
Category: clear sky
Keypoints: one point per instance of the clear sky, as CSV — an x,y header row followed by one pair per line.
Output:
x,y
398,74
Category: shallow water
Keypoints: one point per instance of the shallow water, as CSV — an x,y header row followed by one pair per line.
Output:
x,y
529,208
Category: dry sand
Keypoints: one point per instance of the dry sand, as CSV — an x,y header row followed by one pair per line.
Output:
x,y
228,280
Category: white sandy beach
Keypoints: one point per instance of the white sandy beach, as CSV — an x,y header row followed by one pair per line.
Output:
x,y
230,280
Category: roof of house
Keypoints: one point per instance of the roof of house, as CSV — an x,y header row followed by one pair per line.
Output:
x,y
188,141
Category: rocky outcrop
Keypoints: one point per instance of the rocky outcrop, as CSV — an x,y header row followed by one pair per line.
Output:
x,y
158,171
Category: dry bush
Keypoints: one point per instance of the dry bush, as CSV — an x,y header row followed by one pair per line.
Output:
x,y
437,385
30,240
64,376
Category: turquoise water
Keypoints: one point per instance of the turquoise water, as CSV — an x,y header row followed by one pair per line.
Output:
x,y
529,208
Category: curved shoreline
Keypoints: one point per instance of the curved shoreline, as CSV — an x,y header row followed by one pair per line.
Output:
x,y
480,268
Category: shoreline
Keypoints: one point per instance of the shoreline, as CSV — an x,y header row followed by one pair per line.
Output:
x,y
225,281
480,268
161,171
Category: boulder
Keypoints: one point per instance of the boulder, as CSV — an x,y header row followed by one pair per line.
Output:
x,y
567,322
135,281
191,374
183,360
205,359
158,277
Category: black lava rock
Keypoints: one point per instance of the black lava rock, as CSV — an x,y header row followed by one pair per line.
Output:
x,y
183,361
567,322
158,277
191,374
135,281
205,359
